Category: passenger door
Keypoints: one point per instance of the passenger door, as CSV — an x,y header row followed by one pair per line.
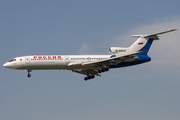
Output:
x,y
27,60
66,59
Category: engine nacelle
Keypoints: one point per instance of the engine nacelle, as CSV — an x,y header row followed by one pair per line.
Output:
x,y
115,50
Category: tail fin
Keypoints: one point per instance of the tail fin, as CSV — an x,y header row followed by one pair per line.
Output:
x,y
144,42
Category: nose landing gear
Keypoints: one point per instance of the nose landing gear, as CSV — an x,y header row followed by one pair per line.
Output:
x,y
29,75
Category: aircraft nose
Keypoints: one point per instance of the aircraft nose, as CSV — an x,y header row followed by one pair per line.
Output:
x,y
5,65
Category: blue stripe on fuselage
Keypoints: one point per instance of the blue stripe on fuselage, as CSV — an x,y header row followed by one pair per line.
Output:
x,y
142,59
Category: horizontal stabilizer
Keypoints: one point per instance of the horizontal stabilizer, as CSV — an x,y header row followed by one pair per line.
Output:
x,y
155,36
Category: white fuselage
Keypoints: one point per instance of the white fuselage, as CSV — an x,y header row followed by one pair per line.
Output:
x,y
42,62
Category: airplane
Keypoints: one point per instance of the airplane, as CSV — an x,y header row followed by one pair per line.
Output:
x,y
90,65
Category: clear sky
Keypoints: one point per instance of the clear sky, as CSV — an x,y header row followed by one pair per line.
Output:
x,y
149,91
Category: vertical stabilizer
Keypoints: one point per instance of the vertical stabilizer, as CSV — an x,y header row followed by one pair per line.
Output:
x,y
144,42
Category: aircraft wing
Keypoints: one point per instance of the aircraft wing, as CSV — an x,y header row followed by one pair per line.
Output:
x,y
114,60
111,61
91,68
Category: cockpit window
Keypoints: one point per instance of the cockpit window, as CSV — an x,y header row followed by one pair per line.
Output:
x,y
12,60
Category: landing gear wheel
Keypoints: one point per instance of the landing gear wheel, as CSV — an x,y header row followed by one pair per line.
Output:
x,y
99,71
89,77
86,78
106,69
103,70
29,75
92,77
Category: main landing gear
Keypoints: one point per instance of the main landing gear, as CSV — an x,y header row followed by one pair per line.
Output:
x,y
89,77
103,70
92,76
29,75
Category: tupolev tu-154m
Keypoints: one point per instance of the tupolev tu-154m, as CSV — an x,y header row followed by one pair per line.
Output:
x,y
89,65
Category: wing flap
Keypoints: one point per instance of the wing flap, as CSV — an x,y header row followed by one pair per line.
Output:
x,y
87,72
75,64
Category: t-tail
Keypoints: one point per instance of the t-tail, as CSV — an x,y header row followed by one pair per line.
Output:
x,y
144,42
